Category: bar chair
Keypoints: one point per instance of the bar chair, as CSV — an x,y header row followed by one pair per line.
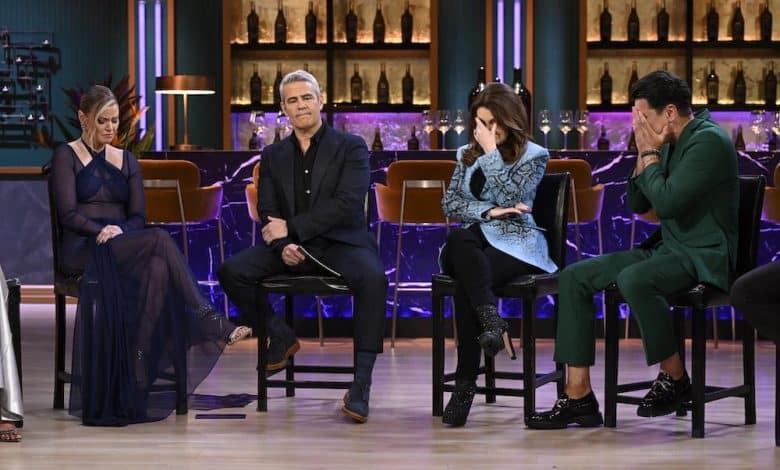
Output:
x,y
550,212
699,298
412,196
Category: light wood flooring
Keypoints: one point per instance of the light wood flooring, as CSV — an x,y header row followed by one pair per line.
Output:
x,y
309,431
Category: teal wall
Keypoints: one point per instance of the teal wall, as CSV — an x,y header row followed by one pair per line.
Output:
x,y
556,62
92,35
199,52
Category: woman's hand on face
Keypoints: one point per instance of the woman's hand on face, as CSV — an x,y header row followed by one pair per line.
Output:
x,y
485,137
107,233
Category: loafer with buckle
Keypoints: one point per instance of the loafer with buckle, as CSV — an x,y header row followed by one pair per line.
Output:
x,y
582,411
666,395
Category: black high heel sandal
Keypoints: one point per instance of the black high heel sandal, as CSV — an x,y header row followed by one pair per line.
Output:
x,y
457,410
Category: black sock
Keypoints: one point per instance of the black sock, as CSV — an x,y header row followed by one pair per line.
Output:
x,y
364,366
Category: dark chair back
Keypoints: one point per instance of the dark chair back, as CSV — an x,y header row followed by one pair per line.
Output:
x,y
551,208
751,200
56,229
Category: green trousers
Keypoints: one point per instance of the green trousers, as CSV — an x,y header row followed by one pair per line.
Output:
x,y
645,278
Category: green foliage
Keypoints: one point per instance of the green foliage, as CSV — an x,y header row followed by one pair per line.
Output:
x,y
129,114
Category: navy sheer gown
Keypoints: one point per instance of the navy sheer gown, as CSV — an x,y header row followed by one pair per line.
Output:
x,y
140,312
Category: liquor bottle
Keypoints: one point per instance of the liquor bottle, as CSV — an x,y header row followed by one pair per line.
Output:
x,y
603,142
606,86
407,86
633,24
712,85
739,142
253,25
632,142
255,87
277,83
351,23
662,23
765,24
666,66
739,85
770,86
605,24
311,25
280,26
479,86
523,93
407,25
771,141
631,81
379,24
377,146
713,23
253,145
413,143
356,87
382,86
738,24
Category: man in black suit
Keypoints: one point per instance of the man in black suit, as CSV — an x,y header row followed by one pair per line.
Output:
x,y
311,193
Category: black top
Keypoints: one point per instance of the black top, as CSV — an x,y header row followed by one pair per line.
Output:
x,y
477,183
303,165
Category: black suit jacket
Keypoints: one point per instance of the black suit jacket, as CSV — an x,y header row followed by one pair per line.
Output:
x,y
340,180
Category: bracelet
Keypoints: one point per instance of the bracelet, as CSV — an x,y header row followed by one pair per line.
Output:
x,y
648,153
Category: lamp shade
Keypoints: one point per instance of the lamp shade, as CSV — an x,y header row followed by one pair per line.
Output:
x,y
184,85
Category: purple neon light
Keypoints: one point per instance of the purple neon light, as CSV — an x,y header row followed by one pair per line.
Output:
x,y
141,58
500,41
516,30
158,71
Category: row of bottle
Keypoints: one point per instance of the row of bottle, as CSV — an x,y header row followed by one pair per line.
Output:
x,y
739,89
355,86
712,22
517,85
310,24
256,140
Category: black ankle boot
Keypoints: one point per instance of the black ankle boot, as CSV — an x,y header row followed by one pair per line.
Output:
x,y
495,331
457,410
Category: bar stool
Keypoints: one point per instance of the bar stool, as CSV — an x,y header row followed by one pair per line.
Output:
x,y
412,196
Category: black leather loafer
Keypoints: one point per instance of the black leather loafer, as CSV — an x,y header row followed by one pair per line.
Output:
x,y
583,411
666,395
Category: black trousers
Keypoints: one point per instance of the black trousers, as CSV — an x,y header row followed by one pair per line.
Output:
x,y
477,267
756,296
360,266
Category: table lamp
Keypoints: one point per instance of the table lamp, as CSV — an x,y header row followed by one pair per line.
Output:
x,y
184,85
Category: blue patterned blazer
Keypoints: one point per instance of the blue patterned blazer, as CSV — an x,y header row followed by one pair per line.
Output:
x,y
505,186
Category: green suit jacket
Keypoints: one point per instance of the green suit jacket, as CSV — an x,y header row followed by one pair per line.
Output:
x,y
695,192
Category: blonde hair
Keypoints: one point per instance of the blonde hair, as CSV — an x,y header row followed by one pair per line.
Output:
x,y
92,103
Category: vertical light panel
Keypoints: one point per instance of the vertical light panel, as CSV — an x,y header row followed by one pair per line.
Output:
x,y
141,88
499,40
158,71
516,44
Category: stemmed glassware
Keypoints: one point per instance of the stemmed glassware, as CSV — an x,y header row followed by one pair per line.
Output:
x,y
776,123
257,120
757,125
565,125
444,126
427,121
545,124
582,126
459,124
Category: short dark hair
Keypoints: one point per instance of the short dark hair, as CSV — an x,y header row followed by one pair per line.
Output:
x,y
661,88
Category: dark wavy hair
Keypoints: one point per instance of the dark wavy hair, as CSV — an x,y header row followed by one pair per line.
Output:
x,y
509,112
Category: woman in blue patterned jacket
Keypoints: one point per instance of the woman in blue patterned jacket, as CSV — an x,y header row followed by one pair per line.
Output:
x,y
492,193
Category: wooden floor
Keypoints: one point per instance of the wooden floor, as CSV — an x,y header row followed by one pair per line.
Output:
x,y
309,431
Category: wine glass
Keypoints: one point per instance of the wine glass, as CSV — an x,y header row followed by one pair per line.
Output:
x,y
756,125
545,123
565,125
444,126
257,121
427,121
283,123
459,124
776,123
582,126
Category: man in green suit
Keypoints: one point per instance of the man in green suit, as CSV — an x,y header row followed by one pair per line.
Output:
x,y
687,172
